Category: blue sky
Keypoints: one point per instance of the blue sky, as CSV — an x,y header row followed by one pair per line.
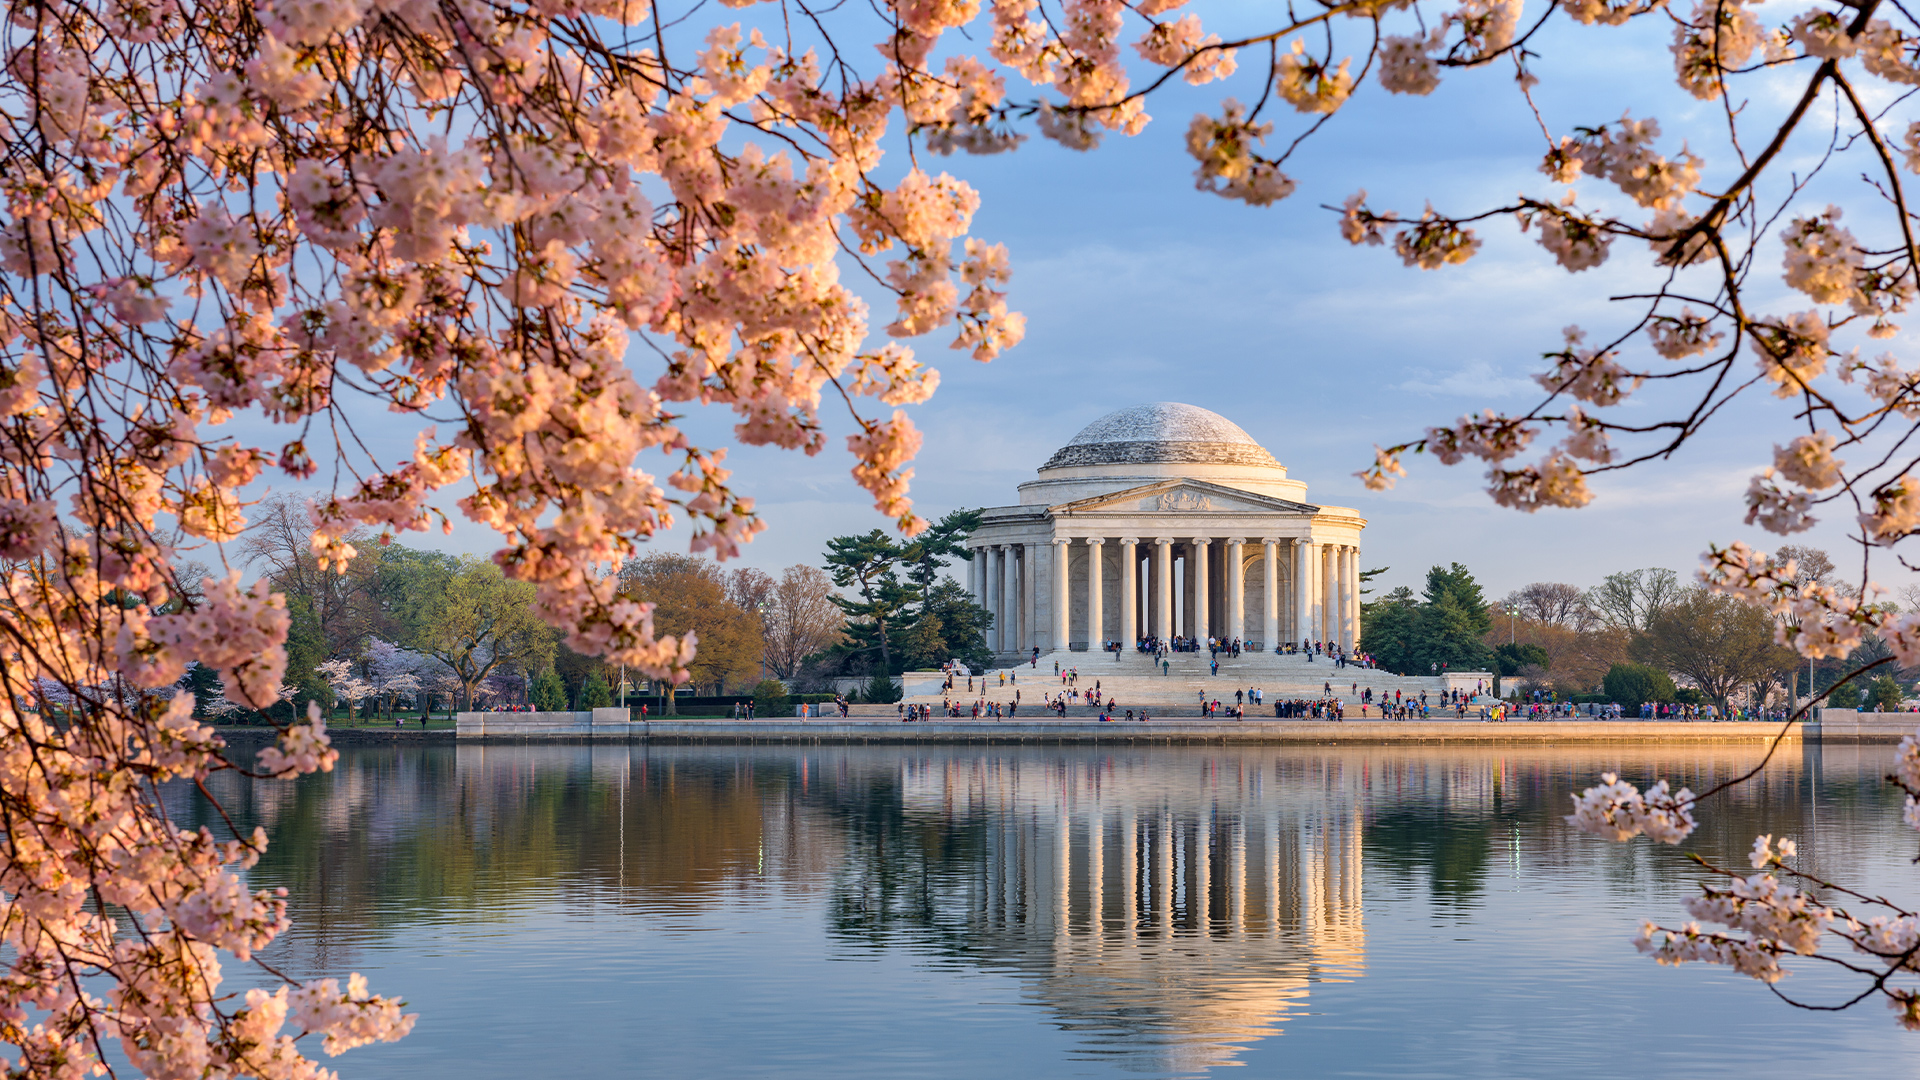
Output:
x,y
1138,288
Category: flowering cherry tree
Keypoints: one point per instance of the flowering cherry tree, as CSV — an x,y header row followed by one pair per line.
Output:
x,y
234,231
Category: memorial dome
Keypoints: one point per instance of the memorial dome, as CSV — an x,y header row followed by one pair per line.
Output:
x,y
1165,432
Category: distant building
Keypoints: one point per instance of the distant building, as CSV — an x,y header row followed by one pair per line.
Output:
x,y
1166,520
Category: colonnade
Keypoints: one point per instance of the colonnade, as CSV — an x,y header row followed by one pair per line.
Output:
x,y
1319,599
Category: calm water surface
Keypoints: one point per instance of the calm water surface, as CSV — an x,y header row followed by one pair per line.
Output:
x,y
960,912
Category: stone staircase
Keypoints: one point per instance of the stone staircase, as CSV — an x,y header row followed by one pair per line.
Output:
x,y
1135,679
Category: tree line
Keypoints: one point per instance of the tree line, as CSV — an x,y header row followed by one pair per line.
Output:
x,y
411,628
1638,636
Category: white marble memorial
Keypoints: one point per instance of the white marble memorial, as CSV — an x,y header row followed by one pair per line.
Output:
x,y
1166,520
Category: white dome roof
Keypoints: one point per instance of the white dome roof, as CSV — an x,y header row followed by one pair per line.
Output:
x,y
1165,431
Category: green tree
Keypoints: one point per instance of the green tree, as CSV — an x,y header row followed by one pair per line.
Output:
x,y
963,624
770,698
870,566
549,693
204,684
924,645
1512,659
880,689
306,650
1633,685
1366,579
1885,695
594,693
927,554
1844,696
477,621
1718,642
1387,629
1449,632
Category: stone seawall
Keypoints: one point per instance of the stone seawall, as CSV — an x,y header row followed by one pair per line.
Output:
x,y
834,730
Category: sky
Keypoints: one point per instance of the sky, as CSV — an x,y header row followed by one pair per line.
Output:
x,y
1138,288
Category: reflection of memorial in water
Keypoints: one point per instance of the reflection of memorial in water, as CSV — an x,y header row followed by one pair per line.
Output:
x,y
1166,921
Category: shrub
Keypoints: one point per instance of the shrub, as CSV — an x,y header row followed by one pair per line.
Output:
x,y
549,693
594,693
1633,685
770,699
880,690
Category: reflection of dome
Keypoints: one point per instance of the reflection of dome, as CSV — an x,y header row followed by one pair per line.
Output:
x,y
1165,431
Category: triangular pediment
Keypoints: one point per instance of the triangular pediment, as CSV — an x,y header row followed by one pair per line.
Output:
x,y
1183,497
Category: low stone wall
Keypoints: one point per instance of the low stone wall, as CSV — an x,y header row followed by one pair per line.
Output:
x,y
1852,725
835,730
536,724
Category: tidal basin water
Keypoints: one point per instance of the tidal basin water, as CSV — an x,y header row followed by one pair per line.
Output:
x,y
694,912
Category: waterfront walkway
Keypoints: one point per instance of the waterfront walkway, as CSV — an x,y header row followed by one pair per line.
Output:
x,y
504,726
1134,679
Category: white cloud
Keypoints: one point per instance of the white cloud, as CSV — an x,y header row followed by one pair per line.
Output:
x,y
1477,379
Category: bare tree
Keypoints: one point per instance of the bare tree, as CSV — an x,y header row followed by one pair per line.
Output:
x,y
751,589
1811,565
1718,642
1632,599
802,619
1553,603
279,545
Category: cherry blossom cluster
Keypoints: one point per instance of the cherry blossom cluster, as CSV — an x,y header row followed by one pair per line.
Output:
x,y
1616,810
1780,910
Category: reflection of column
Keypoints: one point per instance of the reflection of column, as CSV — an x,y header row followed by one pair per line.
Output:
x,y
1163,588
1062,870
1096,584
1237,877
1163,875
1236,588
1097,869
1129,585
1060,607
1200,877
1302,554
1130,874
1202,623
1272,875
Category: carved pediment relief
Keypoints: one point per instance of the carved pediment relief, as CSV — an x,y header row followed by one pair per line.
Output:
x,y
1184,497
1178,501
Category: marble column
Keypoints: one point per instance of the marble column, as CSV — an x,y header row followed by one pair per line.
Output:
x,y
1353,586
1163,587
1096,584
1353,597
973,575
1346,596
1197,571
990,593
1339,590
1023,597
1337,587
1236,588
1060,607
1323,592
1302,555
1009,600
1270,594
1129,587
